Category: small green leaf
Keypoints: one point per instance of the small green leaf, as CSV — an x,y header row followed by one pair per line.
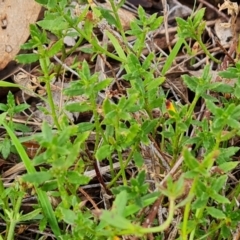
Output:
x,y
191,82
3,107
228,166
219,198
78,107
55,48
108,106
21,127
27,58
54,25
231,73
221,87
172,56
237,91
47,132
219,182
120,203
156,23
138,159
30,216
102,84
76,178
21,107
38,177
52,4
104,152
190,161
212,107
117,47
225,232
87,50
155,83
200,202
6,148
69,216
108,16
141,13
233,123
198,17
216,213
85,126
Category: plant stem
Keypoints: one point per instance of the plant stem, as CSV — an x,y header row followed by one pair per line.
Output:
x,y
187,209
202,45
142,41
192,106
126,164
116,15
51,103
178,137
15,216
10,234
122,168
198,215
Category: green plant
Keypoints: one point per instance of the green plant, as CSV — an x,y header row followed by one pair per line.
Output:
x,y
122,128
11,109
193,28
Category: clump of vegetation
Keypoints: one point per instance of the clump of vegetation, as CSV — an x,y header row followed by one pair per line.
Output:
x,y
164,154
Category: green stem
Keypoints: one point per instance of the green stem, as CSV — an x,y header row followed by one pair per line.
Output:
x,y
74,48
51,103
99,130
142,38
10,234
14,220
126,164
179,137
202,45
198,215
44,62
120,26
187,209
192,106
122,168
176,141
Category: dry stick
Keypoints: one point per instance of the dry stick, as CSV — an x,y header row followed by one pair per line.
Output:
x,y
98,173
227,54
88,198
165,15
214,9
24,121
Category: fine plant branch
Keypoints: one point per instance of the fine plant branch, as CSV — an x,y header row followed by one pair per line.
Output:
x,y
204,48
